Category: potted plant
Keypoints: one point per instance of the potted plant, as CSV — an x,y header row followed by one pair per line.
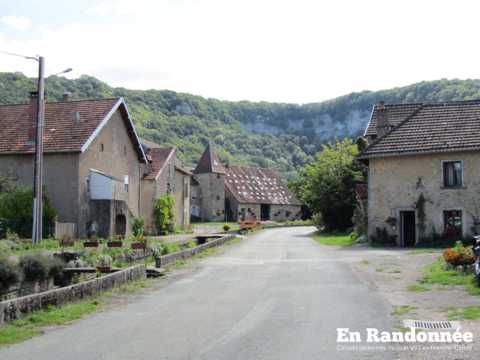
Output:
x,y
116,242
137,230
91,242
104,263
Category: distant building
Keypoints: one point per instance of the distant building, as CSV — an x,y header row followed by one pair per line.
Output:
x,y
93,160
167,175
423,165
241,192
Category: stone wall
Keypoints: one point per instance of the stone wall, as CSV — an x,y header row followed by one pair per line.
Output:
x,y
395,184
14,309
187,253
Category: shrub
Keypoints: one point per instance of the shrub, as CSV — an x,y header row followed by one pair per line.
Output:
x,y
8,275
451,256
16,212
226,227
164,213
104,260
138,226
34,267
38,267
459,255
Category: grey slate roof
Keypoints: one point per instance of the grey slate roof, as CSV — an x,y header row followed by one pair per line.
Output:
x,y
429,128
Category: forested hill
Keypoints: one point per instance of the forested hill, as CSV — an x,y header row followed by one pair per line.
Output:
x,y
282,136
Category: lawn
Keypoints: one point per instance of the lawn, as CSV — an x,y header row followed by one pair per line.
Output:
x,y
436,274
216,225
334,239
33,324
467,313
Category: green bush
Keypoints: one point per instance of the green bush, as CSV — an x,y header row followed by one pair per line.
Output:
x,y
164,213
226,227
16,208
38,267
8,275
138,226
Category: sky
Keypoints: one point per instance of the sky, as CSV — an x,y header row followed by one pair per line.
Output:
x,y
260,50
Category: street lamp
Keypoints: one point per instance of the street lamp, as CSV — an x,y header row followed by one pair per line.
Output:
x,y
38,166
37,226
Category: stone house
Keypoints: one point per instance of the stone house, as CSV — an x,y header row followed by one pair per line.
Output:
x,y
242,192
93,160
167,175
423,170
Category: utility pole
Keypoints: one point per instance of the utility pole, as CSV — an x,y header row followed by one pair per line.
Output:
x,y
37,229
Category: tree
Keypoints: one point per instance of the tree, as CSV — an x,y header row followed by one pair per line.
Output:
x,y
328,185
16,209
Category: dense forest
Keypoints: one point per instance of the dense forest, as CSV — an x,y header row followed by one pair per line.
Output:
x,y
282,136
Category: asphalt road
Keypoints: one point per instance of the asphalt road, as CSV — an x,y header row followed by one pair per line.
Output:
x,y
275,295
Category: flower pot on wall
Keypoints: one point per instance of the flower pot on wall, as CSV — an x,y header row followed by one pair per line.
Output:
x,y
90,243
138,245
104,269
114,244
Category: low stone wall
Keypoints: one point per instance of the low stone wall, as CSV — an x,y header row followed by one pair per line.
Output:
x,y
168,259
14,309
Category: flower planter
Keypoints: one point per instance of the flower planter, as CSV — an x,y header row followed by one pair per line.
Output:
x,y
114,244
103,269
138,246
90,244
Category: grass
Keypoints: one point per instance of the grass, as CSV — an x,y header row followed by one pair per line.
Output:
x,y
379,269
402,310
418,288
334,240
436,274
467,313
365,262
35,323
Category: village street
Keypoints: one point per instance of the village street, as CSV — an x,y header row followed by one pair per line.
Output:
x,y
274,295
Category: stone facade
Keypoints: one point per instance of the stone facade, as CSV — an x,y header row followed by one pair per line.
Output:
x,y
67,175
171,179
212,197
395,184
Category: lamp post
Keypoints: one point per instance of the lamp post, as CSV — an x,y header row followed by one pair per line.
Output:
x,y
37,226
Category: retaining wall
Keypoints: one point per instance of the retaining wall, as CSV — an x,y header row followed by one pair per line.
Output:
x,y
187,253
14,309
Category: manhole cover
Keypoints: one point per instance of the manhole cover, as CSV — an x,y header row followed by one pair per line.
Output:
x,y
432,325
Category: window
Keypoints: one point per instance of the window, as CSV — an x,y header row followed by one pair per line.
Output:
x,y
218,197
125,150
125,183
452,223
87,184
452,173
102,147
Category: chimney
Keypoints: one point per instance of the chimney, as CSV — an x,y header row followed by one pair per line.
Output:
x,y
67,96
33,97
383,125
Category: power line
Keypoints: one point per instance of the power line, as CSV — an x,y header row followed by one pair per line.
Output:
x,y
19,55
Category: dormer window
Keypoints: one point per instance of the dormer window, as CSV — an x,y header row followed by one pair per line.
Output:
x,y
452,174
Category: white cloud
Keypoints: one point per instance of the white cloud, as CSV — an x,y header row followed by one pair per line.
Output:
x,y
274,50
17,22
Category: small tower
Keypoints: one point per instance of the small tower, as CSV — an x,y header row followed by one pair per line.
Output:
x,y
210,174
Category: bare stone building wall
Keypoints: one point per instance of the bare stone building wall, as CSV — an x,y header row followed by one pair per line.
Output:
x,y
212,196
395,184
285,212
118,158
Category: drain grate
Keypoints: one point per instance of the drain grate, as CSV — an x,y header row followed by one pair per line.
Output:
x,y
431,325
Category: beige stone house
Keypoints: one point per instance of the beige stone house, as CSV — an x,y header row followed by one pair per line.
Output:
x,y
167,175
93,160
423,170
235,193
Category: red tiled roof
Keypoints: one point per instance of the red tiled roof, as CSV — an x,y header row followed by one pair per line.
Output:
x,y
255,185
160,157
396,114
432,128
69,126
209,162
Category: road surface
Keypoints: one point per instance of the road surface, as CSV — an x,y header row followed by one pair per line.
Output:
x,y
275,295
